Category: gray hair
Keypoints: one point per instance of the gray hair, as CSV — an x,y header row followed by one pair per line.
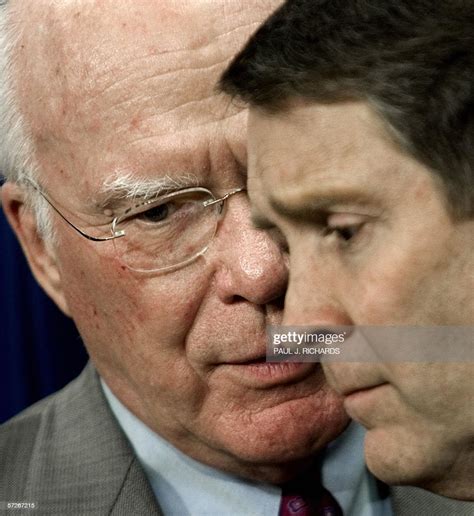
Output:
x,y
17,151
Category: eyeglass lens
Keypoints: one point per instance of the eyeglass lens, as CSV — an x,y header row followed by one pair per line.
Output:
x,y
169,232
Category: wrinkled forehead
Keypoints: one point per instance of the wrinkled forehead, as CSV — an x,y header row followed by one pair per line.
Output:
x,y
108,67
89,46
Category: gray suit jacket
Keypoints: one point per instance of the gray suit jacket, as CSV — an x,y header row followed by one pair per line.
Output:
x,y
68,455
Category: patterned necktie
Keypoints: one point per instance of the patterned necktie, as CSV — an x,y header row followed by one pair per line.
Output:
x,y
308,500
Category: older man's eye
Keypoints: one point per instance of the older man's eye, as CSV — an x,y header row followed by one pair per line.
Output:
x,y
157,213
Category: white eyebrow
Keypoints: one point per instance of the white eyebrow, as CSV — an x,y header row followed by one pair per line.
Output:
x,y
127,186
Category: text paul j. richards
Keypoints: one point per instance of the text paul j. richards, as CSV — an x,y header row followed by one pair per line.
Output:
x,y
306,351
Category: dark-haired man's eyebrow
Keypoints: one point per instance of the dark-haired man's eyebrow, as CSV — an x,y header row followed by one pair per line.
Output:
x,y
313,208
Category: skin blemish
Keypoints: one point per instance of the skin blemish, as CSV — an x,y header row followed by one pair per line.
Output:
x,y
135,122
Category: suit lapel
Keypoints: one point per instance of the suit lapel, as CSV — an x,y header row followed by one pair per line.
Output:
x,y
82,463
135,495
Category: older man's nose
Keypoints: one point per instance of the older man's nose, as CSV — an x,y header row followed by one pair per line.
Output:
x,y
251,265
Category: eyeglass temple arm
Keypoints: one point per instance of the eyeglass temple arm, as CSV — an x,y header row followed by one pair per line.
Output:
x,y
117,234
225,197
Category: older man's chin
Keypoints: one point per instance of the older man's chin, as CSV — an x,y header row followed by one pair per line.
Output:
x,y
278,443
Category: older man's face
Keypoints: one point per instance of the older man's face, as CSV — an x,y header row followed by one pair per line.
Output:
x,y
127,89
371,243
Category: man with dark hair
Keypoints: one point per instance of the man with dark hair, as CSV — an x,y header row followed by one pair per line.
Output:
x,y
361,138
126,178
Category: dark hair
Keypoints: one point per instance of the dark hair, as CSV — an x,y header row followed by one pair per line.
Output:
x,y
412,60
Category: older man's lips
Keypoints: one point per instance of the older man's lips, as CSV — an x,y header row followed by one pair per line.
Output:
x,y
261,374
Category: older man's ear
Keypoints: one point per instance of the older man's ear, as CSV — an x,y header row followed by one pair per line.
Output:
x,y
40,254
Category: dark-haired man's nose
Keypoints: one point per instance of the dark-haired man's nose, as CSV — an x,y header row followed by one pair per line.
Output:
x,y
312,297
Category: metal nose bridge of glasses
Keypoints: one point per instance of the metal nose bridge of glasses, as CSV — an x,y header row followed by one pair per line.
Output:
x,y
122,233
